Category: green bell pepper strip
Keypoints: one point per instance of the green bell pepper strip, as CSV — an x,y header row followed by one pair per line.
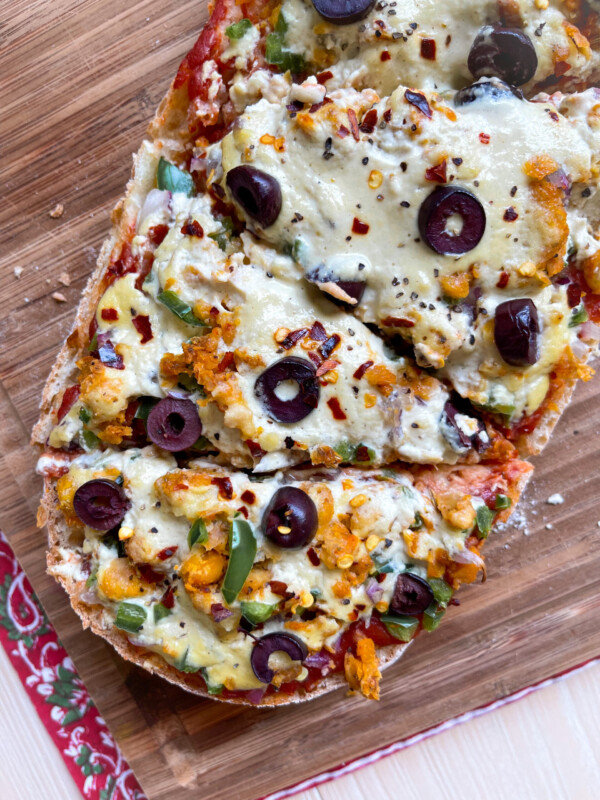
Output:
x,y
432,616
502,501
85,415
401,626
172,179
182,310
442,591
485,517
130,617
255,612
238,29
578,316
145,406
242,552
160,612
198,533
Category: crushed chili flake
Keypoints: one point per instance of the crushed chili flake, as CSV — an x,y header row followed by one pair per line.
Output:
x,y
256,450
280,588
503,280
385,55
343,132
428,49
225,487
313,557
316,106
419,101
109,314
362,369
561,67
227,363
359,227
438,174
317,332
193,228
156,234
168,598
314,357
369,121
68,401
293,338
353,123
329,345
167,552
150,575
144,270
510,215
142,325
573,294
327,366
397,322
336,409
243,510
484,138
248,497
387,114
362,453
323,77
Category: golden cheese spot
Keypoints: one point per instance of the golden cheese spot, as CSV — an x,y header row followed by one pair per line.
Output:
x,y
382,378
456,286
456,509
591,271
119,580
336,544
325,455
202,568
102,389
362,671
370,400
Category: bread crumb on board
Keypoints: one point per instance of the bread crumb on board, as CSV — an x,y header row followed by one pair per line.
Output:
x,y
555,499
59,297
64,278
17,272
57,211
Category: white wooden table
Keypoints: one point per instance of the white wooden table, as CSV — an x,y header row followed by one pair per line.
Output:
x,y
545,746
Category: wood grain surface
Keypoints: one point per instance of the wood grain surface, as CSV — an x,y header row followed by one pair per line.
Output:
x,y
80,80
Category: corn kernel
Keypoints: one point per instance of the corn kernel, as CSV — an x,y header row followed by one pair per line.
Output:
x,y
347,484
358,501
381,606
307,599
344,562
370,400
372,542
303,674
125,533
528,269
375,179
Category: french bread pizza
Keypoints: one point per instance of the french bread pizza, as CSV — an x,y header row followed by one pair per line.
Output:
x,y
350,289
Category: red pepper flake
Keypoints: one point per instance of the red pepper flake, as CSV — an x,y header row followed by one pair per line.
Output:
x,y
148,574
256,450
428,49
248,497
323,77
293,338
280,588
328,346
327,366
168,598
561,67
437,174
109,314
124,264
573,294
369,121
193,228
419,101
503,280
385,55
336,409
147,261
359,227
353,123
227,363
510,215
225,487
157,234
317,106
313,557
343,132
387,115
214,311
398,322
362,453
317,332
362,369
243,510
484,138
168,552
314,357
553,116
142,325
68,401
218,612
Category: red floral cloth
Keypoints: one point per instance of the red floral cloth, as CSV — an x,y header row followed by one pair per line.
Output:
x,y
55,689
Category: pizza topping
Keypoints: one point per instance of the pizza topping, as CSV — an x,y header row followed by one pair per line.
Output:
x,y
172,179
516,332
451,220
288,389
242,552
463,430
174,424
505,53
343,12
412,594
101,504
290,519
494,89
272,643
258,193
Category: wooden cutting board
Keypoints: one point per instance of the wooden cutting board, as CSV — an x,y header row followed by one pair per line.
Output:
x,y
80,80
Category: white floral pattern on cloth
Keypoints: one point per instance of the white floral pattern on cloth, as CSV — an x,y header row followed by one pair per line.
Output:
x,y
58,694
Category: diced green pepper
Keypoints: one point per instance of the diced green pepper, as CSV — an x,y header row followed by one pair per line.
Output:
x,y
441,590
145,406
130,617
160,612
92,578
90,440
349,452
578,316
93,345
502,501
85,415
485,517
171,178
277,53
418,523
214,688
198,533
242,552
255,612
182,310
432,616
400,626
238,29
182,664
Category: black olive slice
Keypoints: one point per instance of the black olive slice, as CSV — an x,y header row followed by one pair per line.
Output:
x,y
290,520
274,643
412,595
459,438
505,53
343,12
257,192
297,370
516,332
174,424
444,203
101,504
494,89
354,289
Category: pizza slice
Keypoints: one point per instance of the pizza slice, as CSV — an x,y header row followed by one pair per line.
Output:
x,y
201,573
